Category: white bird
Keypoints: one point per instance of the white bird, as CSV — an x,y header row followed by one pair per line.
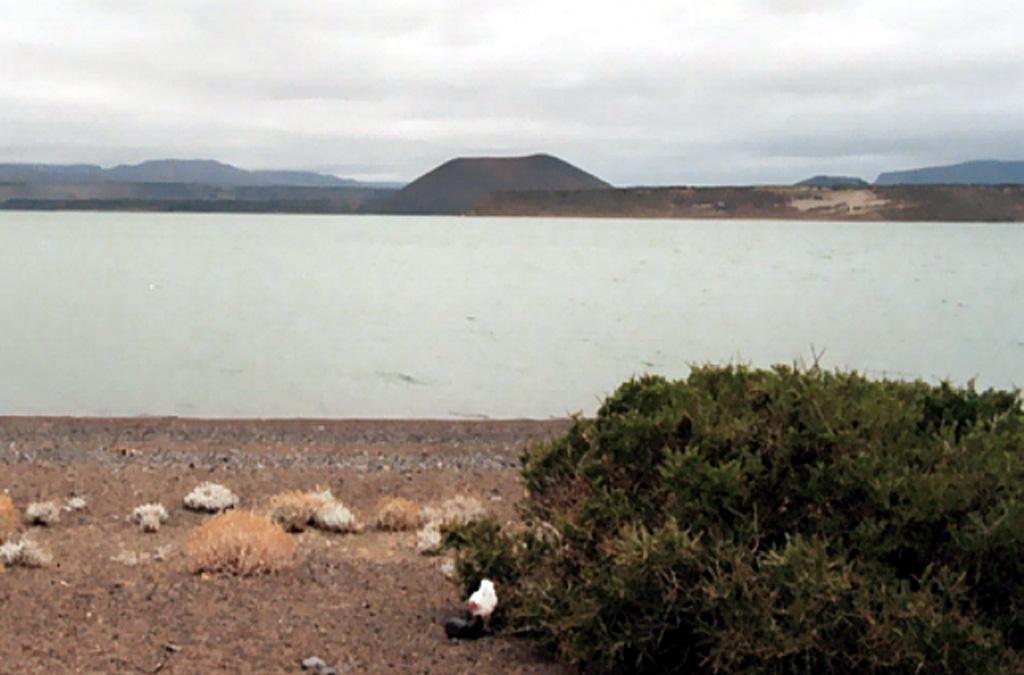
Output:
x,y
481,604
484,600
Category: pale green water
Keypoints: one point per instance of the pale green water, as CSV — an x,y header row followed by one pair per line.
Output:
x,y
284,316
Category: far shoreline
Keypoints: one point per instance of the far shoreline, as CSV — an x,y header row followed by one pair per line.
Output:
x,y
871,203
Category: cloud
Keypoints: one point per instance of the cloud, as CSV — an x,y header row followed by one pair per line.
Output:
x,y
642,92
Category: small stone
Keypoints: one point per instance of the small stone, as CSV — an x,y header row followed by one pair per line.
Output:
x,y
313,663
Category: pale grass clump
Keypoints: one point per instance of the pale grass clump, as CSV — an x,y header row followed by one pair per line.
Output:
x,y
459,510
462,510
394,514
242,543
43,513
24,553
10,519
150,517
211,497
335,517
295,510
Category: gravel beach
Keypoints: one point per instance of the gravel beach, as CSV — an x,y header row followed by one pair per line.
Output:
x,y
116,599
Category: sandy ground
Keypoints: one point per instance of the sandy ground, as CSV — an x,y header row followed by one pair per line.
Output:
x,y
841,201
116,600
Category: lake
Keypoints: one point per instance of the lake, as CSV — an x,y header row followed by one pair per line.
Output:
x,y
359,316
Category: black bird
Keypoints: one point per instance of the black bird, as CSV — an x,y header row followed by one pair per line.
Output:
x,y
466,627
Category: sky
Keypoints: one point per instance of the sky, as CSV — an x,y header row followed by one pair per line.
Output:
x,y
646,92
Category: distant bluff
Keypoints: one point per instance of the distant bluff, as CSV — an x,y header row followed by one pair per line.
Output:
x,y
458,185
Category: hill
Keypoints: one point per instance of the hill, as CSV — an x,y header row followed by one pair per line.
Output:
x,y
833,181
52,173
459,184
210,172
981,172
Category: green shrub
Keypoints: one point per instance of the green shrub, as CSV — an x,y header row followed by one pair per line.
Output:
x,y
770,521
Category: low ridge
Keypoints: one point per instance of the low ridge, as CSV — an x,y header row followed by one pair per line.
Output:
x,y
833,181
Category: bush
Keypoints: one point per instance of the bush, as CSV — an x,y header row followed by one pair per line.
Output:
x,y
770,521
239,542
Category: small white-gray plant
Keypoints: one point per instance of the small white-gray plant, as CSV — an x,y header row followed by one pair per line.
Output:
x,y
150,517
447,567
26,553
211,497
133,558
75,504
43,513
9,553
428,538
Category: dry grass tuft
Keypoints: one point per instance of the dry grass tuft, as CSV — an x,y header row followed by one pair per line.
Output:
x,y
394,514
239,542
43,513
10,519
295,510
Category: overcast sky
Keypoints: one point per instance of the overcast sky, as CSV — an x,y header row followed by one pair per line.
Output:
x,y
639,92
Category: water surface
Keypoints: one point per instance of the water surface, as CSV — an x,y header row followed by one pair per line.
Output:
x,y
323,316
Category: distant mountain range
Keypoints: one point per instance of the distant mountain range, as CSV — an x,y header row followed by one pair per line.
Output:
x,y
183,171
982,172
978,172
458,185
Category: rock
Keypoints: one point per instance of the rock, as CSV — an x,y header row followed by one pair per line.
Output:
x,y
313,663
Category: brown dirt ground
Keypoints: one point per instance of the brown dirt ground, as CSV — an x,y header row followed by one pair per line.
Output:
x,y
365,603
